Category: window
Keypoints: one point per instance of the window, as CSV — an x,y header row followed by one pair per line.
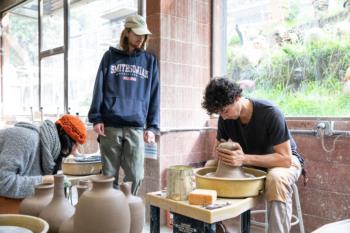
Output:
x,y
20,82
33,81
52,24
52,87
94,27
295,53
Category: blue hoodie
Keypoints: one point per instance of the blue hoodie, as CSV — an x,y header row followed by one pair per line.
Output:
x,y
126,91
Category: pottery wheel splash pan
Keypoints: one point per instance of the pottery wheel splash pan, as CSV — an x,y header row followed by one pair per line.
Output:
x,y
82,165
230,187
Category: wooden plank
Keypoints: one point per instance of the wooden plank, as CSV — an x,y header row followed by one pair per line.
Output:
x,y
234,209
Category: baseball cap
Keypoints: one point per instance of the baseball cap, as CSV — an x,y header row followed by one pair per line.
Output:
x,y
137,24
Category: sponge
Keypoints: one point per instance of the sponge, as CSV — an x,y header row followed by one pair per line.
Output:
x,y
202,197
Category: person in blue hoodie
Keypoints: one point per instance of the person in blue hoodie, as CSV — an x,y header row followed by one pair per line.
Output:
x,y
126,103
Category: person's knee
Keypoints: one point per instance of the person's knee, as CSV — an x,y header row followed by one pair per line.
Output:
x,y
274,178
276,187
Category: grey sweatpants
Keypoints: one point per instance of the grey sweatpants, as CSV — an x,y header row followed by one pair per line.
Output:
x,y
123,147
278,194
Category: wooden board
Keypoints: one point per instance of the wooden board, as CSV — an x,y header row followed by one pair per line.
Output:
x,y
234,209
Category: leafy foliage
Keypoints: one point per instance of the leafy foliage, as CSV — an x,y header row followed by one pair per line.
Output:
x,y
317,89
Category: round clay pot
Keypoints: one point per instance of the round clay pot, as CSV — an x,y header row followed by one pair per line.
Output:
x,y
224,170
34,205
137,209
59,209
102,209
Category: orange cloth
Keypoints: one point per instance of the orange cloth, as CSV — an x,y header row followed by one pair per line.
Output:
x,y
74,127
9,205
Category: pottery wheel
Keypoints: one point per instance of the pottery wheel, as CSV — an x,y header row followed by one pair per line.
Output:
x,y
14,229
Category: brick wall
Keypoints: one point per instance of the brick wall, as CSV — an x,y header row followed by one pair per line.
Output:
x,y
181,41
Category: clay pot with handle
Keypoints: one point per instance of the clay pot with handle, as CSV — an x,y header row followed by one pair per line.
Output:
x,y
137,208
102,209
33,205
59,209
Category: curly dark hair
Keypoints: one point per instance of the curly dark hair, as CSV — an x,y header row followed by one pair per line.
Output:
x,y
219,93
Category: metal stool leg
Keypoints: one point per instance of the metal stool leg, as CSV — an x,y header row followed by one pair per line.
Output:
x,y
298,208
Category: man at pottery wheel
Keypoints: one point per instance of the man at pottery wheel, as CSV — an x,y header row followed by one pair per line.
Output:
x,y
262,140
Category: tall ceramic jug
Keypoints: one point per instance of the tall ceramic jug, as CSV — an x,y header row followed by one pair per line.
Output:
x,y
137,209
68,225
59,209
82,186
34,205
102,209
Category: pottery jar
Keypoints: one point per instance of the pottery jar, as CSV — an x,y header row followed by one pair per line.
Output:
x,y
68,225
59,209
33,205
137,208
82,186
102,209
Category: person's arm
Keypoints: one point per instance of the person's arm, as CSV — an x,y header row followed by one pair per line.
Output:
x,y
152,121
281,157
12,183
94,114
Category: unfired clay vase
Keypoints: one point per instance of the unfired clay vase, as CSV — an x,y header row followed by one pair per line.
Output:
x,y
102,209
224,170
82,186
137,208
34,205
68,225
59,209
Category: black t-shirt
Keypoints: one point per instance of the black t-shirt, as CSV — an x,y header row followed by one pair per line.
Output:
x,y
266,128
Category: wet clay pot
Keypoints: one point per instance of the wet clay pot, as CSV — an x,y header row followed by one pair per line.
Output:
x,y
102,209
59,209
224,170
137,209
34,205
